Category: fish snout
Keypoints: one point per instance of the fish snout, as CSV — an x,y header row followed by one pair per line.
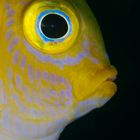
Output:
x,y
99,85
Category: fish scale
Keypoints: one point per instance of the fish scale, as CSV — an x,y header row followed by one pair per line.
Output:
x,y
46,83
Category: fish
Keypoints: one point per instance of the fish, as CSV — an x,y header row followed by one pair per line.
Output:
x,y
54,67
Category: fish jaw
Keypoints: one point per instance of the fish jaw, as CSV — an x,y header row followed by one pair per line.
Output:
x,y
99,91
102,81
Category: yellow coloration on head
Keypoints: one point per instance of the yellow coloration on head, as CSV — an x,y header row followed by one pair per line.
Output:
x,y
45,83
99,79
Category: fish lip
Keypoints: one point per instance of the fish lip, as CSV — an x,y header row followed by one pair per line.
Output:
x,y
108,73
107,81
101,78
111,79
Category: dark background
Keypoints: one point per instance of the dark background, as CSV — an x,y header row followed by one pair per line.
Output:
x,y
118,119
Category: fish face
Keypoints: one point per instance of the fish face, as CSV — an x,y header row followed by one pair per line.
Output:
x,y
54,67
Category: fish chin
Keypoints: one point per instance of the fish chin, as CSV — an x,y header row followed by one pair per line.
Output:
x,y
94,102
99,97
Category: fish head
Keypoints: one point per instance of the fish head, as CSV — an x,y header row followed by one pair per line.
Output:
x,y
54,66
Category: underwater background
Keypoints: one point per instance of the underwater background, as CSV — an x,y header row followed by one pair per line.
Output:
x,y
119,21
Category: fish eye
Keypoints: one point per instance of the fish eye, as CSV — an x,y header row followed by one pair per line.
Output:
x,y
51,27
54,26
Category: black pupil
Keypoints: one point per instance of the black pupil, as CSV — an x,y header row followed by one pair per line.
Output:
x,y
54,26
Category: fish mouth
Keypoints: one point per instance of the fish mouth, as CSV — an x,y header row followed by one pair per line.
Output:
x,y
100,85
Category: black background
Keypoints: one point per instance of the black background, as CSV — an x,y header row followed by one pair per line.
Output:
x,y
118,119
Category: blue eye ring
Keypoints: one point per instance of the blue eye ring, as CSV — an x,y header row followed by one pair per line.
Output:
x,y
56,12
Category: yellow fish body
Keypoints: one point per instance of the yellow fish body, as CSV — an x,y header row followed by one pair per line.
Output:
x,y
53,67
